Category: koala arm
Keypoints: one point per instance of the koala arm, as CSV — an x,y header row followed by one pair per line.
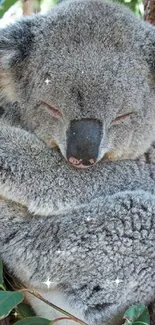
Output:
x,y
36,176
39,178
28,169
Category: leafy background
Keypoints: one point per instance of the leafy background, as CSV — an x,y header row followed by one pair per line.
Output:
x,y
13,9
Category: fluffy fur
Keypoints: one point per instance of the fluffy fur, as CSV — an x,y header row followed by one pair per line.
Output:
x,y
99,59
87,228
81,229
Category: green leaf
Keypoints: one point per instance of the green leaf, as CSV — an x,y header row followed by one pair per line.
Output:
x,y
1,272
8,301
137,315
25,310
33,321
144,318
5,6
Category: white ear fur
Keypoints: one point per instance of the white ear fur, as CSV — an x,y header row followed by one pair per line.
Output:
x,y
7,53
7,84
14,49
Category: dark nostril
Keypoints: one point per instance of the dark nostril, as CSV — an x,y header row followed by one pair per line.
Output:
x,y
88,162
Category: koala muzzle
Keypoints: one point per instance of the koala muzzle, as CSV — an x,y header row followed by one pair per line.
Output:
x,y
83,141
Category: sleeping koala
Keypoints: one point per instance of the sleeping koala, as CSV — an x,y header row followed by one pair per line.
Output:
x,y
82,79
83,76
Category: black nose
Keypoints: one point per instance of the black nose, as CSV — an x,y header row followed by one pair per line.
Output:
x,y
83,141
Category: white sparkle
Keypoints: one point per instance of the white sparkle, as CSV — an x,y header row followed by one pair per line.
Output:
x,y
47,81
117,281
59,251
48,283
82,72
88,219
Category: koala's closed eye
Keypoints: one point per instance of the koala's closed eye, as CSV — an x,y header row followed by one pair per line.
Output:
x,y
55,112
122,117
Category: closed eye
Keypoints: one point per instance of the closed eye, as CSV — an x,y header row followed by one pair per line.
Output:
x,y
55,112
122,117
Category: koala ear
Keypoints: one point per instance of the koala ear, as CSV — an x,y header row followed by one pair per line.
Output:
x,y
15,46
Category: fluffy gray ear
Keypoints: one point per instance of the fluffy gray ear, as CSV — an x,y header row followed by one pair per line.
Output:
x,y
15,46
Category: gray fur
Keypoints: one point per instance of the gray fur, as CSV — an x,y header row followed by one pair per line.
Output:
x,y
99,59
94,226
82,229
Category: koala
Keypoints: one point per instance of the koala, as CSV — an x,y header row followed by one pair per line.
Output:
x,y
83,78
91,232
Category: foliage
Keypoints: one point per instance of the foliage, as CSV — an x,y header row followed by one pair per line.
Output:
x,y
8,301
5,5
136,315
34,321
25,310
135,5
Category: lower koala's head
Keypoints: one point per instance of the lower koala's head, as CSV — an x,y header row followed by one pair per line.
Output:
x,y
83,76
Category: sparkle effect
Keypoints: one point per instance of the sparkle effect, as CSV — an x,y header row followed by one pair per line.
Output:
x,y
48,283
47,81
118,281
59,251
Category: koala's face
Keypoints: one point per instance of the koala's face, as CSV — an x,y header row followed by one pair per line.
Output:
x,y
83,82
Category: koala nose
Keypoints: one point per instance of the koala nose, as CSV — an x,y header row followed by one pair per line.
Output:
x,y
83,141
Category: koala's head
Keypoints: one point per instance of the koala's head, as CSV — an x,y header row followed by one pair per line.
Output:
x,y
83,77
